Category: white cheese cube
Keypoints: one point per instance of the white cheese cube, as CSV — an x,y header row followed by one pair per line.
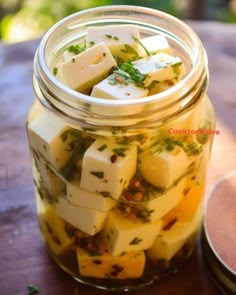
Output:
x,y
87,220
158,205
49,178
45,137
82,198
104,265
161,167
162,86
117,38
113,88
160,67
107,167
54,230
170,240
122,234
88,68
67,55
154,44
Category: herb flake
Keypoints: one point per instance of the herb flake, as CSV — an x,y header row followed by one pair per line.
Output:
x,y
32,289
98,174
135,241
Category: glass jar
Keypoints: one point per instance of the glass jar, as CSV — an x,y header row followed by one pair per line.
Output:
x,y
120,183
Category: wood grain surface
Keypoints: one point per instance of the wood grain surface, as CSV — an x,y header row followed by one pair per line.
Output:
x,y
23,258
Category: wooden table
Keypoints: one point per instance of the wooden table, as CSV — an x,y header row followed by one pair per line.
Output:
x,y
23,259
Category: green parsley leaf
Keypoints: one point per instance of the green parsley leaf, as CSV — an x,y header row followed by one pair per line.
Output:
x,y
32,289
98,174
76,48
55,71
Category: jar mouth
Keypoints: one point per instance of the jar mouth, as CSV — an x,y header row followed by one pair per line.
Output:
x,y
150,21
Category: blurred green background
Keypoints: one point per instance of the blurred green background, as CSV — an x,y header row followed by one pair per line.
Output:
x,y
26,19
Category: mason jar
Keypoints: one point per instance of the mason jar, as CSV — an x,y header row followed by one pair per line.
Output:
x,y
120,183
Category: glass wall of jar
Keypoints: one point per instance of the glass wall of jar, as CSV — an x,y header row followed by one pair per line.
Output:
x,y
120,183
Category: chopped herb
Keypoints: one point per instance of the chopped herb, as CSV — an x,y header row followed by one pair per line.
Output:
x,y
73,60
141,44
77,48
116,38
98,174
105,194
32,289
120,152
194,148
102,148
55,71
135,75
108,36
91,43
135,241
130,50
176,68
152,85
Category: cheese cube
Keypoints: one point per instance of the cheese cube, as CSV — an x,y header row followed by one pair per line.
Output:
x,y
45,137
122,234
54,230
154,44
112,88
157,205
67,55
162,86
172,239
82,198
48,177
107,167
160,67
119,38
161,167
87,220
88,68
104,265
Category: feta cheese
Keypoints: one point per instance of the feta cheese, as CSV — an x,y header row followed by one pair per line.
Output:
x,y
118,89
117,37
162,167
82,198
49,177
45,137
122,234
88,68
54,230
159,204
105,265
87,220
162,86
107,167
154,44
67,55
169,241
193,195
160,67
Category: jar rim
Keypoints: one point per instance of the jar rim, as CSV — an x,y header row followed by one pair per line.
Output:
x,y
128,107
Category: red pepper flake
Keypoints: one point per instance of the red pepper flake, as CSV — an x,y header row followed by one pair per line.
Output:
x,y
127,195
169,225
116,269
186,191
113,158
119,79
